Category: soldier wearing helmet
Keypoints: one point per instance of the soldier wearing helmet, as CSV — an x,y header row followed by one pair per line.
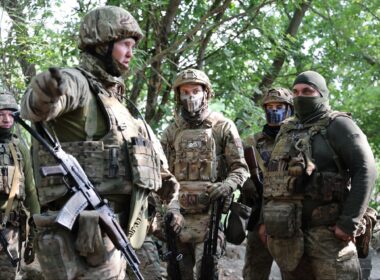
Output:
x,y
205,154
317,187
278,105
84,107
18,196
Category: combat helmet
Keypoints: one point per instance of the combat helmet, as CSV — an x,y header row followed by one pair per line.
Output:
x,y
282,95
7,101
192,76
107,24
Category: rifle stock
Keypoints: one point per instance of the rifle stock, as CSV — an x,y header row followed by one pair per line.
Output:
x,y
84,195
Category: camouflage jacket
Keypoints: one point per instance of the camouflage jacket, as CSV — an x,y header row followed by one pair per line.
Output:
x,y
228,147
28,193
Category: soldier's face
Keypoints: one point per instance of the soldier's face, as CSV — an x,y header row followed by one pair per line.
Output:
x,y
123,51
304,90
6,119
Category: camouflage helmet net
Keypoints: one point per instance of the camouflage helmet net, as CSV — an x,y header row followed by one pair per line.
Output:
x,y
107,24
282,95
7,101
192,76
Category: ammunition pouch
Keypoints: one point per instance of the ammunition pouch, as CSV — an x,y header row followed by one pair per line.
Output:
x,y
235,224
282,219
362,241
278,183
193,198
89,241
145,164
287,252
99,161
328,186
324,215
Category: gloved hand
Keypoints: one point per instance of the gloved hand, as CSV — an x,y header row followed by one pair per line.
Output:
x,y
29,254
50,83
177,221
219,190
169,187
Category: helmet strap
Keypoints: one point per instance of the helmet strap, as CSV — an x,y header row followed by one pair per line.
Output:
x,y
109,63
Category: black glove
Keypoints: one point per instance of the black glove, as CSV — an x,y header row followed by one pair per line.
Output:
x,y
177,220
29,253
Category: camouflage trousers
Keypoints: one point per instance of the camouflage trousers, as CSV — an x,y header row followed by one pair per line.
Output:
x,y
325,257
57,252
258,260
149,258
191,263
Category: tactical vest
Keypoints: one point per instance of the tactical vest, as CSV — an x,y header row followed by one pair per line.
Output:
x,y
197,163
264,145
292,157
7,169
122,159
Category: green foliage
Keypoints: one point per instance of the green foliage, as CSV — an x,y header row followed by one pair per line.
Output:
x,y
339,39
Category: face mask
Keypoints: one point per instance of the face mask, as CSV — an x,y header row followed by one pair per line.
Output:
x,y
276,116
192,103
308,106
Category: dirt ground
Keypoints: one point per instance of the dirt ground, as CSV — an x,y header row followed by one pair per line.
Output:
x,y
233,261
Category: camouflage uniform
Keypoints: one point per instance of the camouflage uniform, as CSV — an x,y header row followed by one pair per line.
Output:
x,y
202,149
119,152
258,260
319,180
14,155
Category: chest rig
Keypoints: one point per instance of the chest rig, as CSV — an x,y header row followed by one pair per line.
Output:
x,y
264,145
292,159
197,164
122,159
7,169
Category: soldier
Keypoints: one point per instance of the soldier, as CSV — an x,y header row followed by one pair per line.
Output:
x,y
317,188
18,193
85,110
278,105
205,154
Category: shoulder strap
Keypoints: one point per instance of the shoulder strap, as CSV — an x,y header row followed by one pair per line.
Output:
x,y
15,185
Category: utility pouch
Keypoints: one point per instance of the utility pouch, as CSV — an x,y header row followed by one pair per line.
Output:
x,y
235,224
89,241
145,164
362,241
287,252
193,197
324,215
282,219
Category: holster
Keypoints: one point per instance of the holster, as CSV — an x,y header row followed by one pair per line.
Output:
x,y
363,240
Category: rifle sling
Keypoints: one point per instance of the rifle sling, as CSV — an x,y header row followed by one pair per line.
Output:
x,y
260,161
15,185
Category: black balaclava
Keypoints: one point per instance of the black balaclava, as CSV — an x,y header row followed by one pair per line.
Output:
x,y
310,108
5,134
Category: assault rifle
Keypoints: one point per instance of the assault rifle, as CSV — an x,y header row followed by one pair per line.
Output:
x,y
172,255
250,157
211,242
84,195
4,244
